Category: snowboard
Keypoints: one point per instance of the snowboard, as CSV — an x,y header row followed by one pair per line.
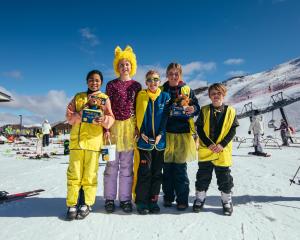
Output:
x,y
260,154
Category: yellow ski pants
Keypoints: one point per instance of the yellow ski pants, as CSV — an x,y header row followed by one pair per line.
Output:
x,y
82,172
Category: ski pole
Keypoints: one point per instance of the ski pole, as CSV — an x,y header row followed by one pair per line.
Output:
x,y
293,180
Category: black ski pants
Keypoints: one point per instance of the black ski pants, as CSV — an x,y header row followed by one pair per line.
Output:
x,y
46,140
204,176
176,182
149,177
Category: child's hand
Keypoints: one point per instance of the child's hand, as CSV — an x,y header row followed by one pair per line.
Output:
x,y
157,139
212,147
136,133
107,135
98,120
144,137
189,110
219,148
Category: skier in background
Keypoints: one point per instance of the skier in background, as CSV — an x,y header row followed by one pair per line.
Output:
x,y
46,130
284,132
257,128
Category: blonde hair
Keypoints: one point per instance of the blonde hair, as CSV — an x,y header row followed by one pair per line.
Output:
x,y
152,72
127,54
218,87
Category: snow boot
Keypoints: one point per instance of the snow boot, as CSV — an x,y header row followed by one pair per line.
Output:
x,y
83,211
153,207
110,206
227,203
181,206
167,203
142,208
199,202
126,206
71,213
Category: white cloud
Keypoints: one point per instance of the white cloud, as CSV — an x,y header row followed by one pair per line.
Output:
x,y
51,106
236,73
234,61
89,37
193,73
193,67
16,74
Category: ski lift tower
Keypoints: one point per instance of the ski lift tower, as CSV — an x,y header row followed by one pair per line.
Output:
x,y
247,111
278,101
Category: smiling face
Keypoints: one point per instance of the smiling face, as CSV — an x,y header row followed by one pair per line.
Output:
x,y
124,67
153,82
94,82
174,77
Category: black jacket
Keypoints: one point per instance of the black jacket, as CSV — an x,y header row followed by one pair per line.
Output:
x,y
177,124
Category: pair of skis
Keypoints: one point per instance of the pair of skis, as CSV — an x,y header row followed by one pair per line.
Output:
x,y
6,197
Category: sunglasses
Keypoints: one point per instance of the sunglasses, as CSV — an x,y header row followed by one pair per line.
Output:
x,y
152,80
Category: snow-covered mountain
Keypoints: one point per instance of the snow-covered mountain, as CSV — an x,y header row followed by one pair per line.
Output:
x,y
258,89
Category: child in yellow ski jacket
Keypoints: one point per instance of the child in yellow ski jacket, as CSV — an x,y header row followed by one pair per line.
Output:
x,y
86,140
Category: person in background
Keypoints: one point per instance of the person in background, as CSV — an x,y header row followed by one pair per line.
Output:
x,y
46,131
284,132
257,128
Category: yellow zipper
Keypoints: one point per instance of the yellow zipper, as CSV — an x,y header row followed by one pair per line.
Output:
x,y
153,129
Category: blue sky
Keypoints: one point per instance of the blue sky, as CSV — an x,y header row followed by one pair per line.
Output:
x,y
47,47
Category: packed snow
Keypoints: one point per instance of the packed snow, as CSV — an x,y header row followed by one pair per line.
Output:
x,y
265,205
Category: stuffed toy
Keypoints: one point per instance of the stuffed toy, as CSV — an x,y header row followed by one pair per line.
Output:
x,y
95,103
179,106
94,108
182,101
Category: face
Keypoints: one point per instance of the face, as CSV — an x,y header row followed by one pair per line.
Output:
x,y
124,67
216,97
94,82
153,82
174,77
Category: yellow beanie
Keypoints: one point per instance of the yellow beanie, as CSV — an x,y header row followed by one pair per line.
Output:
x,y
126,54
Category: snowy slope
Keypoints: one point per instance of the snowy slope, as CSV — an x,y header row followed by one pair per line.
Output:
x,y
265,206
259,87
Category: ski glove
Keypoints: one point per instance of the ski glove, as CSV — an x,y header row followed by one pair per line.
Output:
x,y
249,132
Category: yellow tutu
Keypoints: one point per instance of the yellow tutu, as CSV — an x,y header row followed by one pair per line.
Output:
x,y
180,148
122,134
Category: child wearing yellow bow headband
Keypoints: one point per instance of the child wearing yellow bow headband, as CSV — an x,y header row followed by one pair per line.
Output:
x,y
122,92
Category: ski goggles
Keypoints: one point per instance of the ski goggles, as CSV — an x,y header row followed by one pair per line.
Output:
x,y
152,80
